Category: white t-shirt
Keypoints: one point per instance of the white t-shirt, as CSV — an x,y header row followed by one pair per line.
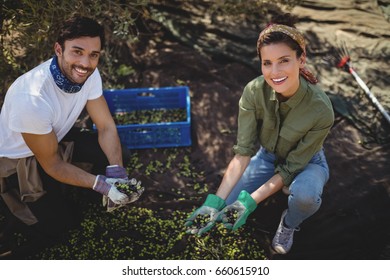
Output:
x,y
34,104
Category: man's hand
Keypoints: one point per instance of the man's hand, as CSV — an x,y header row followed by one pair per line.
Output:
x,y
106,186
203,218
116,171
234,215
133,191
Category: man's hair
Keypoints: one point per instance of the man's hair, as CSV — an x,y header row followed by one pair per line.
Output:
x,y
79,26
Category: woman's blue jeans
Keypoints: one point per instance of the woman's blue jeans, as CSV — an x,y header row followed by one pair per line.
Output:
x,y
305,190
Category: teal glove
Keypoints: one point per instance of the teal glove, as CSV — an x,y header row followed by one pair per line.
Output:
x,y
203,218
234,215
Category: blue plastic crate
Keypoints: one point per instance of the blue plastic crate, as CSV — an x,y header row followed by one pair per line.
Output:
x,y
152,135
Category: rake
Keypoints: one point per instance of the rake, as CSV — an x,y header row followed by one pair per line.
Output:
x,y
341,59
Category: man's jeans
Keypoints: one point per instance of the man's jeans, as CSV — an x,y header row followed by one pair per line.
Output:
x,y
305,190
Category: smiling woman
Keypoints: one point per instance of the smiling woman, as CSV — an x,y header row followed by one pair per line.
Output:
x,y
291,117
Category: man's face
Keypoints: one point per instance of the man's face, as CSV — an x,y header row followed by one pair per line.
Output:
x,y
79,58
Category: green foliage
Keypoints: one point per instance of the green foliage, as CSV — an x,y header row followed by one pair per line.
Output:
x,y
139,233
151,116
124,70
29,30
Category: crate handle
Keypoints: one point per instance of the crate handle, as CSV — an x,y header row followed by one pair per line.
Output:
x,y
142,130
146,94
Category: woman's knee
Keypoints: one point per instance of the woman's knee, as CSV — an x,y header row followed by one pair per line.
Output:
x,y
305,201
307,194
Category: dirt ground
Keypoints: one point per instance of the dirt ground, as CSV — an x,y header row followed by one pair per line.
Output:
x,y
354,220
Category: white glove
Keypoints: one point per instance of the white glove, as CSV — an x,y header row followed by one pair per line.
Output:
x,y
106,186
136,190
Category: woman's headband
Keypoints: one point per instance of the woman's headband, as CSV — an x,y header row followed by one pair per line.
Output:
x,y
292,32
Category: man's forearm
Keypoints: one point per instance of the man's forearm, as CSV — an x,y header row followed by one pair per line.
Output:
x,y
69,174
111,146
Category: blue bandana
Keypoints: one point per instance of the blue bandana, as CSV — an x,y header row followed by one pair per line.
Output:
x,y
63,82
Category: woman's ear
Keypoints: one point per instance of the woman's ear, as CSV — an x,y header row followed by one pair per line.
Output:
x,y
57,49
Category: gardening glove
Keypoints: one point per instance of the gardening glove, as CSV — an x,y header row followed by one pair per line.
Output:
x,y
234,215
116,171
133,191
106,186
204,218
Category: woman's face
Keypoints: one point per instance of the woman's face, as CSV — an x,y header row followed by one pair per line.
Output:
x,y
280,67
79,58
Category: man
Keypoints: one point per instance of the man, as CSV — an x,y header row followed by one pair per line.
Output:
x,y
36,136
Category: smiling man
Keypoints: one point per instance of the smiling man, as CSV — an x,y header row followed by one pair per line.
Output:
x,y
38,141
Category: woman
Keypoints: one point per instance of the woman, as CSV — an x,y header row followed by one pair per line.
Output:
x,y
290,116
